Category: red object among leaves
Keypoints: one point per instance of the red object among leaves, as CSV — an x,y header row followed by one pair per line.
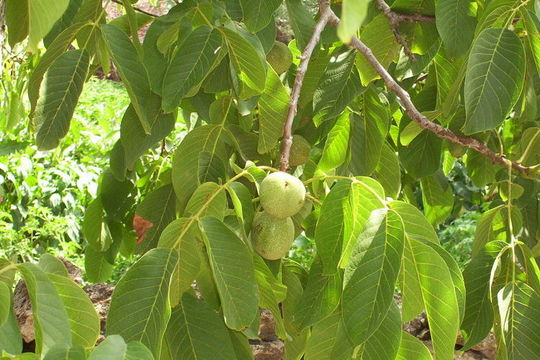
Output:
x,y
141,225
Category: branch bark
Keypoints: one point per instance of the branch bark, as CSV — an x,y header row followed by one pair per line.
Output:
x,y
395,19
424,122
325,14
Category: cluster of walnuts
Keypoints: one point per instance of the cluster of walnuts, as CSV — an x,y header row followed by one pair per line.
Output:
x,y
281,196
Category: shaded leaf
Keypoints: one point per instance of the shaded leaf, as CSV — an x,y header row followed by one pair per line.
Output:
x,y
235,280
59,95
331,226
152,215
258,13
196,331
320,298
455,23
191,63
273,108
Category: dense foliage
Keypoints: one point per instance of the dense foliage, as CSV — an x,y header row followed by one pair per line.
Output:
x,y
413,110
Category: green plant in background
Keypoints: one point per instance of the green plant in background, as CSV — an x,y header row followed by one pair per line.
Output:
x,y
414,112
44,195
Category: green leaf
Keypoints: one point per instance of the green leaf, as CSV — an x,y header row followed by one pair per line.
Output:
x,y
368,133
301,22
519,307
412,348
98,269
378,36
140,302
371,275
132,71
16,17
59,95
422,157
51,322
159,208
241,198
207,138
383,344
416,225
208,200
123,22
34,18
63,351
135,141
211,168
273,108
331,226
365,196
455,23
494,79
338,85
353,15
153,58
83,318
327,340
447,70
493,225
320,298
388,172
192,62
528,147
196,331
235,280
478,319
437,198
51,264
5,303
54,50
258,13
95,231
271,293
115,348
532,25
425,267
481,170
337,143
10,335
183,235
246,62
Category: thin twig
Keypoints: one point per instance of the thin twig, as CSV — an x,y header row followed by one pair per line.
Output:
x,y
396,18
324,12
423,121
142,11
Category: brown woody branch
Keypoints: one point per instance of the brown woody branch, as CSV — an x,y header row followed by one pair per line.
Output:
x,y
424,122
324,16
395,19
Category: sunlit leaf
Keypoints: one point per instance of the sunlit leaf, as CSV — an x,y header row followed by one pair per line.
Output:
x,y
494,79
139,309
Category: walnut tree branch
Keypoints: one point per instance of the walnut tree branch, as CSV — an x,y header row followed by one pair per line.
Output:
x,y
395,19
324,15
423,121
